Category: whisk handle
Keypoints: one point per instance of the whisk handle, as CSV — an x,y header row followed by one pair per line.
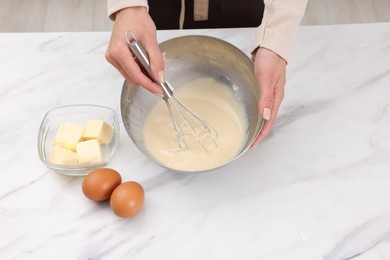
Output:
x,y
140,53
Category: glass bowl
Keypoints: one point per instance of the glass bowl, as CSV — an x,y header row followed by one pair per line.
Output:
x,y
77,114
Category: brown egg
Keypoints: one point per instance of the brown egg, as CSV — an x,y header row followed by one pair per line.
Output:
x,y
127,199
100,183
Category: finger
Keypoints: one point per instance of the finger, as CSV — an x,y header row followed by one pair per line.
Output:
x,y
131,68
278,97
124,74
267,125
119,68
263,133
266,96
157,64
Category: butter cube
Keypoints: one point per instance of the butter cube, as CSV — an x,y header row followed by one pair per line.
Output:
x,y
89,152
60,155
68,135
98,129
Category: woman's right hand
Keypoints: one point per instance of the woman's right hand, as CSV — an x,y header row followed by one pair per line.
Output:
x,y
137,21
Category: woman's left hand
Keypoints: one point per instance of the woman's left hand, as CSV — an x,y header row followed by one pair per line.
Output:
x,y
270,71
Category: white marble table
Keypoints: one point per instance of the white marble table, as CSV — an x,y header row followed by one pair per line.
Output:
x,y
317,188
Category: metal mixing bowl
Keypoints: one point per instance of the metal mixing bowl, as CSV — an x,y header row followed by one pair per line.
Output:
x,y
189,58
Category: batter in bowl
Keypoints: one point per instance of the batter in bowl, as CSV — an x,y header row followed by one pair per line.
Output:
x,y
216,104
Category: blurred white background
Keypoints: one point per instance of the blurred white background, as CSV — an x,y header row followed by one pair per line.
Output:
x,y
90,15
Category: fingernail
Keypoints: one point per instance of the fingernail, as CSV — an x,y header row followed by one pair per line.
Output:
x,y
164,56
266,113
161,76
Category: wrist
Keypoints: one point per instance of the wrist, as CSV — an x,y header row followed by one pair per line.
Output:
x,y
266,51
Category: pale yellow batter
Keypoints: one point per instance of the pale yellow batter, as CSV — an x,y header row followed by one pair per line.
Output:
x,y
216,104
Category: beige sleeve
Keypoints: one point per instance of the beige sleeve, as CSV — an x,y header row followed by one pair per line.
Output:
x,y
114,6
280,23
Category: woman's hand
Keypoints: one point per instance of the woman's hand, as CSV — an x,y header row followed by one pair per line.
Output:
x,y
270,71
137,21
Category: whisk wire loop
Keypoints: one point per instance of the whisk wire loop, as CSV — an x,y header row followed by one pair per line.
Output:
x,y
178,130
180,114
198,128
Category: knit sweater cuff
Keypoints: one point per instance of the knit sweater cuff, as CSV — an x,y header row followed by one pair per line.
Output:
x,y
114,6
280,23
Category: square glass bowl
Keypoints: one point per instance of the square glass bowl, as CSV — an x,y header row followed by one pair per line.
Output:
x,y
78,114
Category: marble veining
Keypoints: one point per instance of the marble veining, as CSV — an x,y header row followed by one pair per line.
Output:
x,y
316,188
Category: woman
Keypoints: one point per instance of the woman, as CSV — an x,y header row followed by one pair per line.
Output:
x,y
277,22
